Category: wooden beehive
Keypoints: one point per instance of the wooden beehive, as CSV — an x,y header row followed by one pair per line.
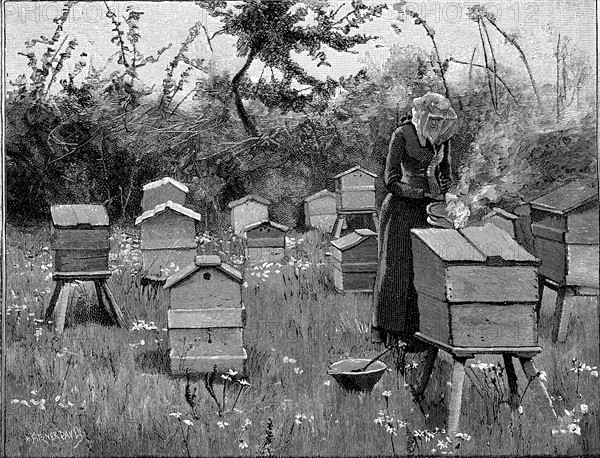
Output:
x,y
476,287
319,210
354,259
162,191
168,238
206,318
565,231
355,190
265,241
80,238
248,210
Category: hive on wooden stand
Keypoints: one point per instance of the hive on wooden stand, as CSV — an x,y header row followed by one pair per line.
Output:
x,y
248,210
354,260
265,241
163,190
565,230
476,287
168,239
477,294
319,210
206,318
79,239
354,195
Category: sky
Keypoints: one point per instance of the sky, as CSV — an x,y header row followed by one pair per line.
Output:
x,y
537,22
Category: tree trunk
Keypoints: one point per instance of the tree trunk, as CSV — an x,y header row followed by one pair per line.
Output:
x,y
239,104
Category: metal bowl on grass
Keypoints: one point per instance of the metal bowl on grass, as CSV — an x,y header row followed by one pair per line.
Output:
x,y
363,381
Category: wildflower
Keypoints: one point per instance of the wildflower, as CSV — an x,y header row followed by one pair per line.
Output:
x,y
188,422
594,373
175,414
379,421
521,410
418,433
14,401
390,430
245,284
299,418
24,402
226,377
327,382
232,372
542,375
402,424
463,436
387,394
286,360
584,408
57,398
574,428
298,371
442,444
247,422
222,424
243,382
242,445
34,392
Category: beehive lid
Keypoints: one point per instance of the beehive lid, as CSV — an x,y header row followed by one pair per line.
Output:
x,y
79,214
319,195
249,198
163,207
566,198
199,263
352,239
281,227
166,180
485,244
353,169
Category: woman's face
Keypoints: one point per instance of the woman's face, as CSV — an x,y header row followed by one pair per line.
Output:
x,y
432,127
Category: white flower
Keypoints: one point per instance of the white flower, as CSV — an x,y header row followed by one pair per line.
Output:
x,y
232,372
24,402
521,410
14,401
442,444
390,430
379,420
226,377
243,445
542,376
584,408
327,382
298,371
574,428
292,361
594,373
286,360
402,424
247,422
175,414
188,422
387,394
243,382
222,424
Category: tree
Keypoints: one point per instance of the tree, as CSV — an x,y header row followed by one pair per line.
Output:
x,y
271,31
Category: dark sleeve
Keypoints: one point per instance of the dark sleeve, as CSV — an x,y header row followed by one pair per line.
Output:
x,y
445,169
393,169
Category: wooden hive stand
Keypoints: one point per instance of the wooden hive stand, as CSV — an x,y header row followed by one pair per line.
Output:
x,y
354,196
565,230
80,243
477,294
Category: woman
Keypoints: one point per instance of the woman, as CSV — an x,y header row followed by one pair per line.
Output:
x,y
417,172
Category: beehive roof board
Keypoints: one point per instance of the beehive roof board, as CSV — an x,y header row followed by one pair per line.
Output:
x,y
352,239
249,198
199,262
568,198
66,216
481,244
165,181
353,169
167,206
265,233
320,195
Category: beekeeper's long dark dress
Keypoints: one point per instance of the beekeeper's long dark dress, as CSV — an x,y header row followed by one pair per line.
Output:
x,y
395,298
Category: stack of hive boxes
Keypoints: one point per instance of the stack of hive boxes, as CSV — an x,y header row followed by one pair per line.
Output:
x,y
168,229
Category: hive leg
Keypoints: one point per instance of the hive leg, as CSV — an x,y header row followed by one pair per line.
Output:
x,y
565,300
458,379
101,302
538,306
376,221
538,388
50,310
513,386
116,310
61,307
425,373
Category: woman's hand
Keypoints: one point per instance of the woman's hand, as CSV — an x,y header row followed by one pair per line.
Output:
x,y
445,184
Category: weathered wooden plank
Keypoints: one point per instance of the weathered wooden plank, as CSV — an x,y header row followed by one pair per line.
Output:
x,y
208,288
582,265
354,281
357,200
80,261
266,242
488,325
567,198
267,254
161,194
206,364
447,244
80,239
205,318
493,241
547,219
554,259
434,318
491,284
206,342
355,267
472,351
548,233
92,275
583,228
63,216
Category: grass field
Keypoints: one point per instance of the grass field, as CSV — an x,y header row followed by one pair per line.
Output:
x,y
100,390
